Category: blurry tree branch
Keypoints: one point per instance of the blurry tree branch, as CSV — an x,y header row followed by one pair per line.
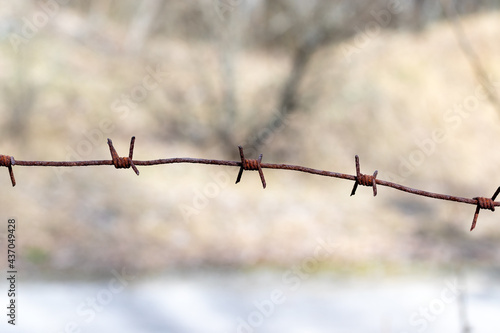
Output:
x,y
298,28
229,103
316,30
451,11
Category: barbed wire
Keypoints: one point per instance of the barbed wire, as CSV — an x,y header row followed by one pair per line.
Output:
x,y
255,165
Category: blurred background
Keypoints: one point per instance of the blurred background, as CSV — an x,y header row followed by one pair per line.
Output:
x,y
411,86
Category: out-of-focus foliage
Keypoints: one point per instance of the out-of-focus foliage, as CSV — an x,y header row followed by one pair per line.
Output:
x,y
309,83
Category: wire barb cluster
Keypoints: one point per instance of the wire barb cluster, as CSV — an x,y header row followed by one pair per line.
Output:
x,y
365,180
247,164
8,161
256,165
484,203
123,162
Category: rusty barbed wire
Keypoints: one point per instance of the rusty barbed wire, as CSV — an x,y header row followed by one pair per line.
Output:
x,y
255,165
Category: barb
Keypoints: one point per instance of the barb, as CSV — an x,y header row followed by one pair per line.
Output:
x,y
247,164
123,162
250,165
365,180
484,203
8,161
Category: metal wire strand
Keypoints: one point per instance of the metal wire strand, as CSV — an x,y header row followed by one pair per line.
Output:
x,y
256,165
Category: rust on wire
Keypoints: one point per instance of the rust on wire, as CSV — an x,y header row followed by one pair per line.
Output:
x,y
365,180
123,162
484,203
249,164
9,161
